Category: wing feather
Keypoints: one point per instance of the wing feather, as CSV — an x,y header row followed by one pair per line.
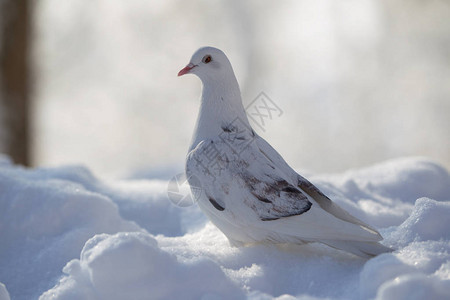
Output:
x,y
307,187
329,206
236,163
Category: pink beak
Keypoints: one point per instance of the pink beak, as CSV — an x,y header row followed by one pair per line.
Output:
x,y
186,69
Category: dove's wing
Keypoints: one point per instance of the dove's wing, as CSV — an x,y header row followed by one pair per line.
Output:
x,y
245,173
248,187
308,188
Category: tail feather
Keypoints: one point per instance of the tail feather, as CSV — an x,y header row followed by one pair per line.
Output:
x,y
362,249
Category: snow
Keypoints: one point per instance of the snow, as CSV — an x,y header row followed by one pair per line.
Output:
x,y
67,235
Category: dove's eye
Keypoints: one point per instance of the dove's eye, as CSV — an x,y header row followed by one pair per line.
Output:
x,y
206,59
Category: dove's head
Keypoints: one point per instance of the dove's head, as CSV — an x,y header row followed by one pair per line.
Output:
x,y
208,63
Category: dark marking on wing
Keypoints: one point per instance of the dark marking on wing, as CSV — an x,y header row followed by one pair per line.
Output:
x,y
281,184
260,198
291,189
266,156
227,128
269,219
216,205
277,186
311,189
276,197
305,209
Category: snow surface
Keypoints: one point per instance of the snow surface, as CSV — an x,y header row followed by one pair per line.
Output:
x,y
67,235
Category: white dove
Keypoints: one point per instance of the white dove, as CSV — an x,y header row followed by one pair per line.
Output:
x,y
247,189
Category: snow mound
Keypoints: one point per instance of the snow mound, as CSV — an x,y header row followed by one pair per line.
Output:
x,y
67,235
414,286
430,220
423,244
45,219
384,194
132,266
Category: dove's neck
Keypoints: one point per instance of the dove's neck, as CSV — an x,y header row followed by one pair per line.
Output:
x,y
221,106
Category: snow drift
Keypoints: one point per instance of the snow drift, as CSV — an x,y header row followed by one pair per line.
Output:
x,y
67,235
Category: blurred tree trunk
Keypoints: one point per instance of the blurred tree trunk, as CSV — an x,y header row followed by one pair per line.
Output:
x,y
14,78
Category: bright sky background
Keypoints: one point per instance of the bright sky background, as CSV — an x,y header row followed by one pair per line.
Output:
x,y
358,82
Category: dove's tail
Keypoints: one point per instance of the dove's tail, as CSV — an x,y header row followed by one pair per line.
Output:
x,y
362,249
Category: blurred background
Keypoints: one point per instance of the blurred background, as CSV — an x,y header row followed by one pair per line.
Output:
x,y
94,82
